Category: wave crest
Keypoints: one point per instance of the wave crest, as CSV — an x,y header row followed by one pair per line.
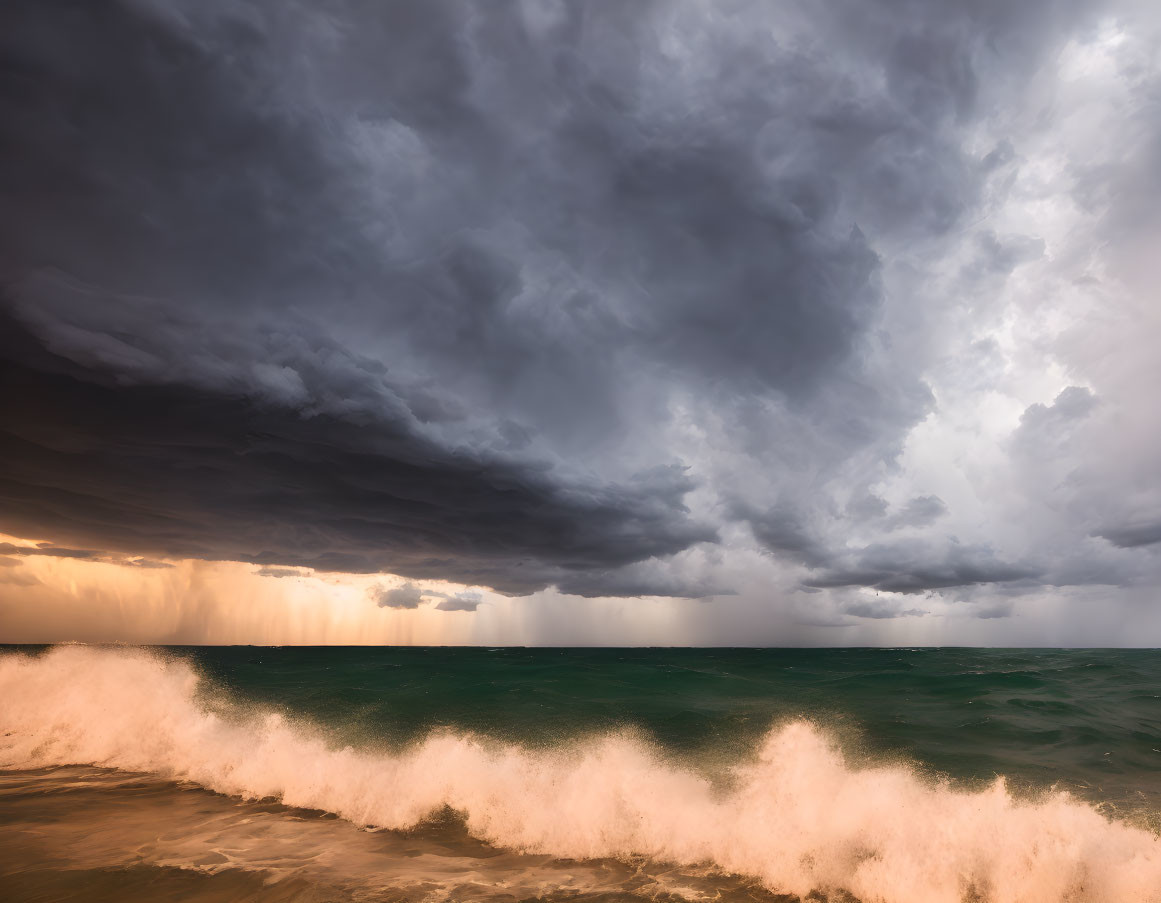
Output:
x,y
797,816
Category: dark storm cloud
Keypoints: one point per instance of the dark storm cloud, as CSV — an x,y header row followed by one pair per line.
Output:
x,y
414,287
1132,536
783,532
920,565
179,472
903,566
652,577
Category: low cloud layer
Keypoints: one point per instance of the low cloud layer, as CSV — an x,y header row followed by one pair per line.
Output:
x,y
48,550
626,300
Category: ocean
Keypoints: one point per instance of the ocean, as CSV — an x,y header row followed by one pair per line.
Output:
x,y
431,774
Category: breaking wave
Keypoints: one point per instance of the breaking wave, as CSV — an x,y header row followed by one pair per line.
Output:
x,y
796,814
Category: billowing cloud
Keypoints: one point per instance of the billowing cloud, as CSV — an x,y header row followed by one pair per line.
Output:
x,y
622,299
467,601
406,596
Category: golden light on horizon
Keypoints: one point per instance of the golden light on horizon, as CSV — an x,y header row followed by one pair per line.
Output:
x,y
47,598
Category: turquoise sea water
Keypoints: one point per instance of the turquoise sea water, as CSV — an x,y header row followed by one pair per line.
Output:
x,y
441,764
1089,718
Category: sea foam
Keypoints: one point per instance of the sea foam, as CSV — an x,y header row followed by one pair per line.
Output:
x,y
795,815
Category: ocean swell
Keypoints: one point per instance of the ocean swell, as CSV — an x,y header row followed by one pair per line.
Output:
x,y
795,815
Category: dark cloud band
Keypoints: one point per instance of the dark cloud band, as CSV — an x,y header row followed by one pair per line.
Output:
x,y
498,296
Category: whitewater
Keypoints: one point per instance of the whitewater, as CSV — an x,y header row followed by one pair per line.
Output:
x,y
794,813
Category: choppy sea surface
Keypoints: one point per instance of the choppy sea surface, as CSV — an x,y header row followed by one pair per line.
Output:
x,y
425,774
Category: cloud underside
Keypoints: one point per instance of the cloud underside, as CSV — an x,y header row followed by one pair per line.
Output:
x,y
1132,536
410,597
899,578
49,550
174,472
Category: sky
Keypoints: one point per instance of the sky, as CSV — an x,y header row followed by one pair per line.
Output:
x,y
650,323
